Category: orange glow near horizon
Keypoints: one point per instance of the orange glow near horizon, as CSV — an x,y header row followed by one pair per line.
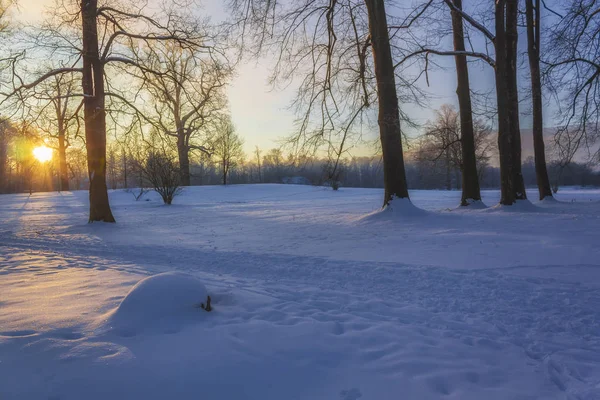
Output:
x,y
42,154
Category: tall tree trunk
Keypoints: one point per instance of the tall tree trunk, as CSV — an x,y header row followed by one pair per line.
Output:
x,y
63,171
470,181
183,153
224,173
513,97
533,52
394,175
94,114
62,162
507,194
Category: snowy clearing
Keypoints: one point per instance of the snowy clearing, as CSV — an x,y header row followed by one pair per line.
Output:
x,y
316,295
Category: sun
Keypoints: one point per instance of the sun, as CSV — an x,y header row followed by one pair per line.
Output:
x,y
42,153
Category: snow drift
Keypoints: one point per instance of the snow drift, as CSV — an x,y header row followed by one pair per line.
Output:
x,y
397,208
165,300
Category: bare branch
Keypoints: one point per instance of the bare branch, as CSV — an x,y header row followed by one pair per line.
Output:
x,y
471,21
481,56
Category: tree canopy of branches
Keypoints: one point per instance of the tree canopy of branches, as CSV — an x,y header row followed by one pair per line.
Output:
x,y
56,114
5,30
4,7
572,71
340,55
470,178
442,143
85,39
504,62
161,171
187,96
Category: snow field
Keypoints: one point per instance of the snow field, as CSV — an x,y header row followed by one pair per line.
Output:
x,y
313,298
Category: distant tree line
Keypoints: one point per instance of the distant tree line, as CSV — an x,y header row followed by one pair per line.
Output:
x,y
433,161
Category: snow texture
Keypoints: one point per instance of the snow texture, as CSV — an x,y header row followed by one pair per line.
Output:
x,y
161,300
316,295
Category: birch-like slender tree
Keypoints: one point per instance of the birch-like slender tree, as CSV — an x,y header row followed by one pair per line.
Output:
x,y
227,148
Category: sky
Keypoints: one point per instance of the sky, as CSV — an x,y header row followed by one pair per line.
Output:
x,y
262,115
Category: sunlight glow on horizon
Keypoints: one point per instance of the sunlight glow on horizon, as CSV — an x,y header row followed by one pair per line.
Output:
x,y
42,154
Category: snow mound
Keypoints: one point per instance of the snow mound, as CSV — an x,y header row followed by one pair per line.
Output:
x,y
162,301
518,206
549,200
397,208
473,205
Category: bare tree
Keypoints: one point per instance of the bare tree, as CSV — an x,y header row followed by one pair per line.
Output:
x,y
163,174
134,153
443,138
442,143
91,37
94,112
504,43
533,13
340,51
187,94
56,115
470,178
227,148
572,71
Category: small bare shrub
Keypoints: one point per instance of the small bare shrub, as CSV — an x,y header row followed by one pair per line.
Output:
x,y
162,173
138,193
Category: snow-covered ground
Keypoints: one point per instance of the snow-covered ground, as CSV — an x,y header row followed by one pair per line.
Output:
x,y
315,296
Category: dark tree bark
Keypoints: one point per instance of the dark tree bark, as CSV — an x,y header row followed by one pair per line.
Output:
x,y
507,193
183,152
61,108
183,149
513,98
533,52
94,114
505,65
394,175
470,181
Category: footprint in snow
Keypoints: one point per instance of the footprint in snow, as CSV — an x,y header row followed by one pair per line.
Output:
x,y
350,394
